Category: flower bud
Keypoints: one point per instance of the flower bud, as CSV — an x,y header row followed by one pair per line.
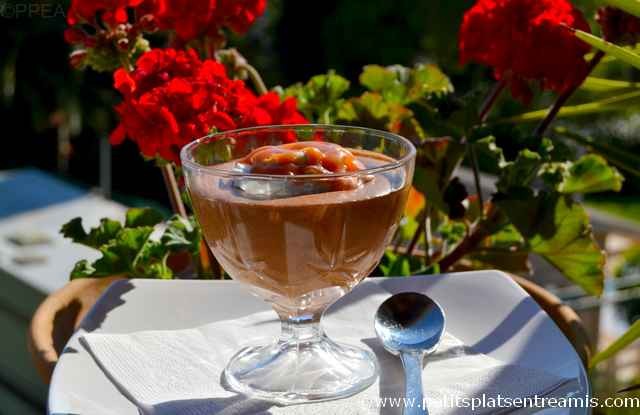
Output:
x,y
77,58
147,23
123,44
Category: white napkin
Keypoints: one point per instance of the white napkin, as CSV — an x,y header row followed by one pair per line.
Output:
x,y
179,372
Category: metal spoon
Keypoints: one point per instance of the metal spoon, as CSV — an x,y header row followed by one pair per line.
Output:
x,y
410,325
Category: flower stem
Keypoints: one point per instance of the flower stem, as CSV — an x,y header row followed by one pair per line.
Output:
x,y
208,265
416,235
541,129
425,223
476,176
491,99
483,229
173,190
255,77
428,236
485,109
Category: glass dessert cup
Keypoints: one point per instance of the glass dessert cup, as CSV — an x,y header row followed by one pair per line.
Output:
x,y
299,242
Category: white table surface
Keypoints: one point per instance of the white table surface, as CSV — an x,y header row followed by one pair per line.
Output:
x,y
61,254
485,309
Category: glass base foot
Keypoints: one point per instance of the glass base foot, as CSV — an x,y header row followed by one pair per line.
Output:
x,y
289,372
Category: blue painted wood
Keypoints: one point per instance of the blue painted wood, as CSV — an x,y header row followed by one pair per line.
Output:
x,y
27,189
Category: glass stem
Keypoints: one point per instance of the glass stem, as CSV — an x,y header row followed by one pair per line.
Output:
x,y
301,328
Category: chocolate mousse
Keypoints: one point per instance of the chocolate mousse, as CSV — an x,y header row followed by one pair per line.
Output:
x,y
319,229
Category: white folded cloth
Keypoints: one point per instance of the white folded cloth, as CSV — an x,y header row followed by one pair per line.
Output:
x,y
179,372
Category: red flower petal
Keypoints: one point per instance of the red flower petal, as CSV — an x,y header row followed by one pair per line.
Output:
x,y
172,98
526,40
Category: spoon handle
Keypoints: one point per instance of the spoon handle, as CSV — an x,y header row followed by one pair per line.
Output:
x,y
413,404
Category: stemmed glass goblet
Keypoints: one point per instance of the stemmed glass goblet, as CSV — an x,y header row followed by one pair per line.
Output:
x,y
300,242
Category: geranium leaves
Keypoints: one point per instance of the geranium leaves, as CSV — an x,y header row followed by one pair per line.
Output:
x,y
417,103
182,234
405,85
552,224
622,53
519,172
139,248
589,174
136,217
320,98
390,92
372,110
385,104
393,89
98,236
557,228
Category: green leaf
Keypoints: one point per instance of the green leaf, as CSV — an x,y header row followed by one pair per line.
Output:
x,y
504,249
488,148
624,160
624,54
387,81
182,234
630,6
623,341
589,174
428,80
630,263
82,269
371,110
557,228
97,237
132,250
435,163
74,231
108,59
151,261
142,217
368,105
516,262
408,227
123,253
393,265
506,237
452,231
615,103
320,98
405,85
520,172
593,84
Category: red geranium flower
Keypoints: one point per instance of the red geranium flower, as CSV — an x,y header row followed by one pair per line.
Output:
x,y
526,40
172,97
239,15
110,11
115,31
189,18
195,18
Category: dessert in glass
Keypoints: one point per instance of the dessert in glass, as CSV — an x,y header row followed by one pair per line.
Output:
x,y
300,215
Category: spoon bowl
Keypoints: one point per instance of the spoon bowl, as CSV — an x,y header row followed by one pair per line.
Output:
x,y
410,322
410,325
